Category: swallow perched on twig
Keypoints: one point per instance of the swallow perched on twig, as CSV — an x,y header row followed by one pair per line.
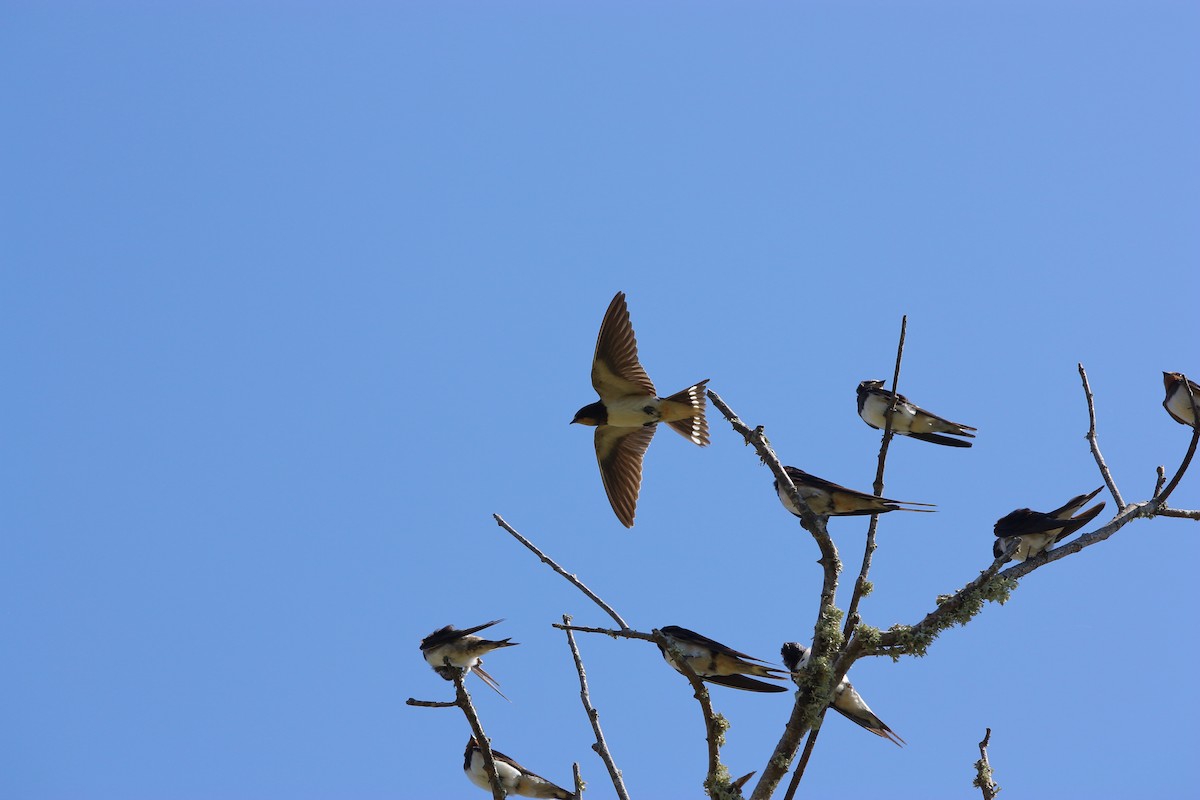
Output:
x,y
846,701
828,499
463,651
630,409
1034,532
1177,403
513,777
714,662
909,419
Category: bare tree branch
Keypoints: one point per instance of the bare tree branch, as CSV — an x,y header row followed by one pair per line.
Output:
x,y
1160,498
601,746
462,699
814,524
623,633
412,701
578,584
1091,437
983,770
861,586
1179,512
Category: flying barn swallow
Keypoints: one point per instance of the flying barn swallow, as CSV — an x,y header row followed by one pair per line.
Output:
x,y
828,499
1035,531
1177,403
630,409
513,777
846,700
714,662
463,650
909,419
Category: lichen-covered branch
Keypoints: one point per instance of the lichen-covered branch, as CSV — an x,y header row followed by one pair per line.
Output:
x,y
983,770
718,783
601,746
578,584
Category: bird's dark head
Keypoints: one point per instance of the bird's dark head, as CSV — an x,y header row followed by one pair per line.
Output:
x,y
1171,378
795,656
869,386
593,414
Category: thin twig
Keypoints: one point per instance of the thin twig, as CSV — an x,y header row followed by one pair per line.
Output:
x,y
430,703
860,585
579,785
463,701
804,757
1161,498
624,633
1159,480
983,770
601,746
1091,437
578,584
1179,512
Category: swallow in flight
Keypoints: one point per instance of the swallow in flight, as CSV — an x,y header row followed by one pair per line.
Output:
x,y
630,409
713,662
909,419
463,651
828,499
1035,532
1177,403
513,777
846,701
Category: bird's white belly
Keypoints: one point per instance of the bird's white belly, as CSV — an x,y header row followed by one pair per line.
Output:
x,y
509,775
875,412
1181,404
633,412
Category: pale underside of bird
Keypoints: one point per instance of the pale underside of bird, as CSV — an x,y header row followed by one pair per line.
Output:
x,y
908,419
449,650
629,410
828,499
513,777
846,701
1025,533
1177,402
714,662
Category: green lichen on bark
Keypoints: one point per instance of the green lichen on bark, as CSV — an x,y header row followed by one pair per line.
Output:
x,y
955,609
983,778
722,725
719,786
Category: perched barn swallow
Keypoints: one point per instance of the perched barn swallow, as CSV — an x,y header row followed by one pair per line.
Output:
x,y
909,419
1035,532
513,777
827,499
630,409
463,650
715,663
1177,403
846,700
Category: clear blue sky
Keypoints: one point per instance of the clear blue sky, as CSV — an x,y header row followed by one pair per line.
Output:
x,y
295,297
